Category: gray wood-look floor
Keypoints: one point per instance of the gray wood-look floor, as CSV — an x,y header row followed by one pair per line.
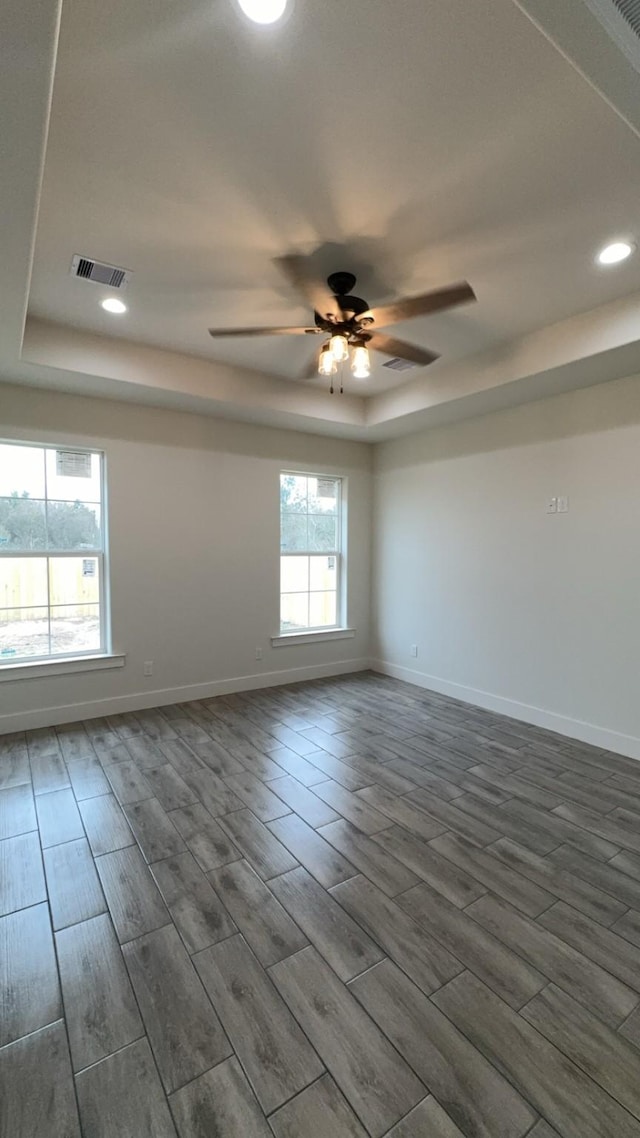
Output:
x,y
345,908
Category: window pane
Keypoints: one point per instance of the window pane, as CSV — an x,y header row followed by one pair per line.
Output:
x,y
323,573
323,495
293,532
323,532
23,632
293,493
23,582
71,487
75,628
310,524
21,471
74,580
322,609
22,524
294,574
49,500
73,525
294,611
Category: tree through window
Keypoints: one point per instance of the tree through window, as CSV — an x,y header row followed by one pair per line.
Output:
x,y
310,551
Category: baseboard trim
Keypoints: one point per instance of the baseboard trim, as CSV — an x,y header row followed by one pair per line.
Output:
x,y
602,737
141,701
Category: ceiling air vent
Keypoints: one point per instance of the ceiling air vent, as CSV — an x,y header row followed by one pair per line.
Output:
x,y
396,364
89,270
621,20
630,11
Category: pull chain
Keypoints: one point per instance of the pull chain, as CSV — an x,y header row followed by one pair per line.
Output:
x,y
331,389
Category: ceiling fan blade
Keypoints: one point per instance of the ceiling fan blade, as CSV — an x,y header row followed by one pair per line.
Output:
x,y
390,347
218,332
437,301
315,292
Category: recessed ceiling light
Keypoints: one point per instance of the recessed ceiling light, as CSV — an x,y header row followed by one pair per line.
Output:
x,y
614,253
112,304
263,11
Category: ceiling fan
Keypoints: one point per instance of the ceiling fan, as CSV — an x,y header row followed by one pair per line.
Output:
x,y
350,323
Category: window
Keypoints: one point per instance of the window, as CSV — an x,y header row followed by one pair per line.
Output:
x,y
310,559
52,553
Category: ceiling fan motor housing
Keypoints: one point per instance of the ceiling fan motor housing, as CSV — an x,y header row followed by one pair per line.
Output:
x,y
350,306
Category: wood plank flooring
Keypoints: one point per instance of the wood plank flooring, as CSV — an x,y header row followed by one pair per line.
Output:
x,y
348,907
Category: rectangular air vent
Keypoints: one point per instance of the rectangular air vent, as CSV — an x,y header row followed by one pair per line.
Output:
x,y
621,20
396,364
99,272
630,10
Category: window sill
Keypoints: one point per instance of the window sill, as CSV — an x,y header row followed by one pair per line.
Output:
x,y
41,668
288,638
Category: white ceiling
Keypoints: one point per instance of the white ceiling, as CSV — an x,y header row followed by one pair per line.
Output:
x,y
414,144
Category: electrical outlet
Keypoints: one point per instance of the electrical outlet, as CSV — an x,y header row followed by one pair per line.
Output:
x,y
148,667
414,649
258,653
563,505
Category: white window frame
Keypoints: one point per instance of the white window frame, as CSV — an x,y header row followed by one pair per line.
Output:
x,y
100,554
328,631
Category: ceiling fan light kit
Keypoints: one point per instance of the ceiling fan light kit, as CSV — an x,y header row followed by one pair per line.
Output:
x,y
360,364
351,324
327,363
339,347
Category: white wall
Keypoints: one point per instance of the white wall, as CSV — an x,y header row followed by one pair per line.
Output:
x,y
194,539
534,615
531,614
